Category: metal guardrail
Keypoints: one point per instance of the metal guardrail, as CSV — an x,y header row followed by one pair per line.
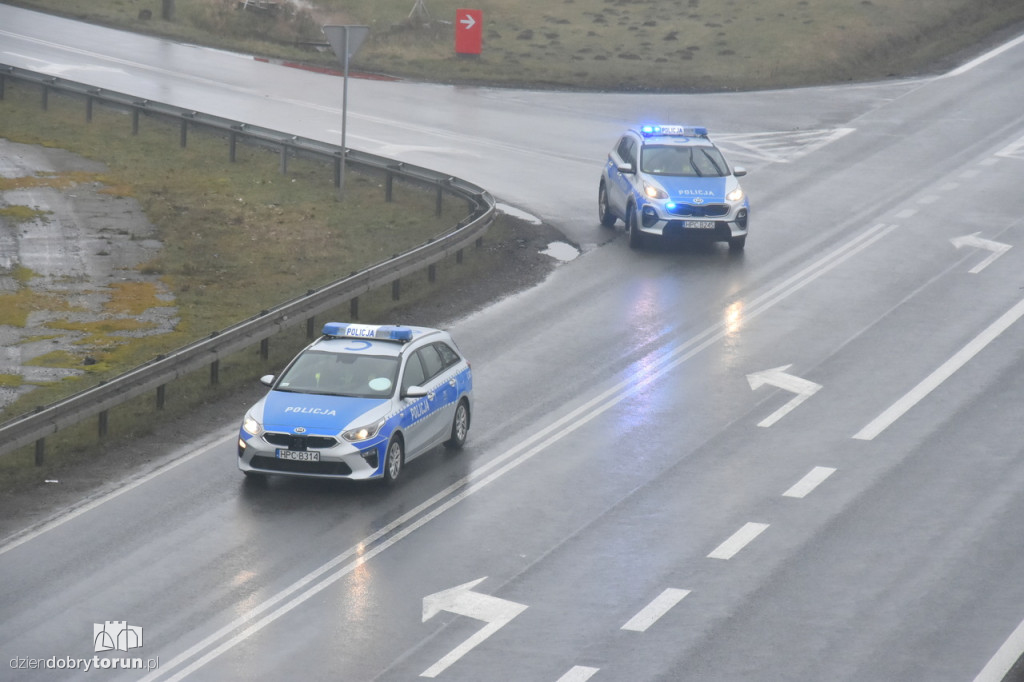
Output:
x,y
35,426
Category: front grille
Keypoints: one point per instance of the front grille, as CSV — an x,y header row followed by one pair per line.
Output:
x,y
700,210
291,466
292,442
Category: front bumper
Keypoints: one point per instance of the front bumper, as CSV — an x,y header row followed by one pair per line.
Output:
x,y
654,219
344,460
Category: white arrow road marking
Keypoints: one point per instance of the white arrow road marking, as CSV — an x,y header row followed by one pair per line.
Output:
x,y
655,610
494,611
997,249
469,22
578,673
1014,150
778,377
809,482
740,539
946,370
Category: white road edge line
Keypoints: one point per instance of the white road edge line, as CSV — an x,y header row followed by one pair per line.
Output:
x,y
738,540
809,482
251,621
991,54
17,540
999,666
945,370
650,614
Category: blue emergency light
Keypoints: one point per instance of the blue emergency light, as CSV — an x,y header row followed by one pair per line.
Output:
x,y
384,332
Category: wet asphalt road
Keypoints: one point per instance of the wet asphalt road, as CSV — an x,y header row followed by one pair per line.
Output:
x,y
800,463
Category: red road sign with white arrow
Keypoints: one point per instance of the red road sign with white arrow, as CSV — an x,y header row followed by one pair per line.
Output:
x,y
469,31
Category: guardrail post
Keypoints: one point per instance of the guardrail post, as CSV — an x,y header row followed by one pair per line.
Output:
x,y
161,396
3,86
396,289
215,372
353,308
184,130
103,424
458,256
337,170
310,328
440,194
232,143
432,272
284,157
264,349
388,184
88,109
46,97
135,120
40,451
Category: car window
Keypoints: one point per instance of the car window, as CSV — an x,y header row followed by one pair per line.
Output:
x,y
683,161
414,375
627,150
348,374
448,356
432,364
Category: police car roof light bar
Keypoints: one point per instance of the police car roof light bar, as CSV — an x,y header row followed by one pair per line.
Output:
x,y
686,131
387,332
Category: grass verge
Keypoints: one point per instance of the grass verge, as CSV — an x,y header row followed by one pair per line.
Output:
x,y
652,45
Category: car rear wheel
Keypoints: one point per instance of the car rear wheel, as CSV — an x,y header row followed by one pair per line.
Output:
x,y
636,237
394,461
460,426
604,212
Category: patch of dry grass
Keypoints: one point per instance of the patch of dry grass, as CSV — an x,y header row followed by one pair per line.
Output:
x,y
671,45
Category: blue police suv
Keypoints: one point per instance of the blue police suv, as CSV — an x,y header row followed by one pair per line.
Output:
x,y
671,180
358,403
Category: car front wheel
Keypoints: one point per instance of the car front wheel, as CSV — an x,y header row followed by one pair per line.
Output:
x,y
394,461
460,427
636,237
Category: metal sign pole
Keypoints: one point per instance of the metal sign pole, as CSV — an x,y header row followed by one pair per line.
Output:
x,y
344,118
345,41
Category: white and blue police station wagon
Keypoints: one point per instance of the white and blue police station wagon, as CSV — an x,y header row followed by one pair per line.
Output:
x,y
358,403
671,180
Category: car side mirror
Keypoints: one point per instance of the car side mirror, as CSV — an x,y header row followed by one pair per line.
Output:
x,y
267,379
739,171
625,168
414,392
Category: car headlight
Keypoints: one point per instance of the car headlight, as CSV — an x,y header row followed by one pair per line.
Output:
x,y
363,432
654,192
250,425
735,195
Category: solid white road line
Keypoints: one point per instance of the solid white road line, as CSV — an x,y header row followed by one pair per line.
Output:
x,y
740,539
1012,649
655,610
946,370
809,482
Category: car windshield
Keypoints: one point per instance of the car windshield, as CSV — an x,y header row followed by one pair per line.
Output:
x,y
344,374
696,162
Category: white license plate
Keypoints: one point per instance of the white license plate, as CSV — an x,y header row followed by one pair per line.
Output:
x,y
299,455
699,224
